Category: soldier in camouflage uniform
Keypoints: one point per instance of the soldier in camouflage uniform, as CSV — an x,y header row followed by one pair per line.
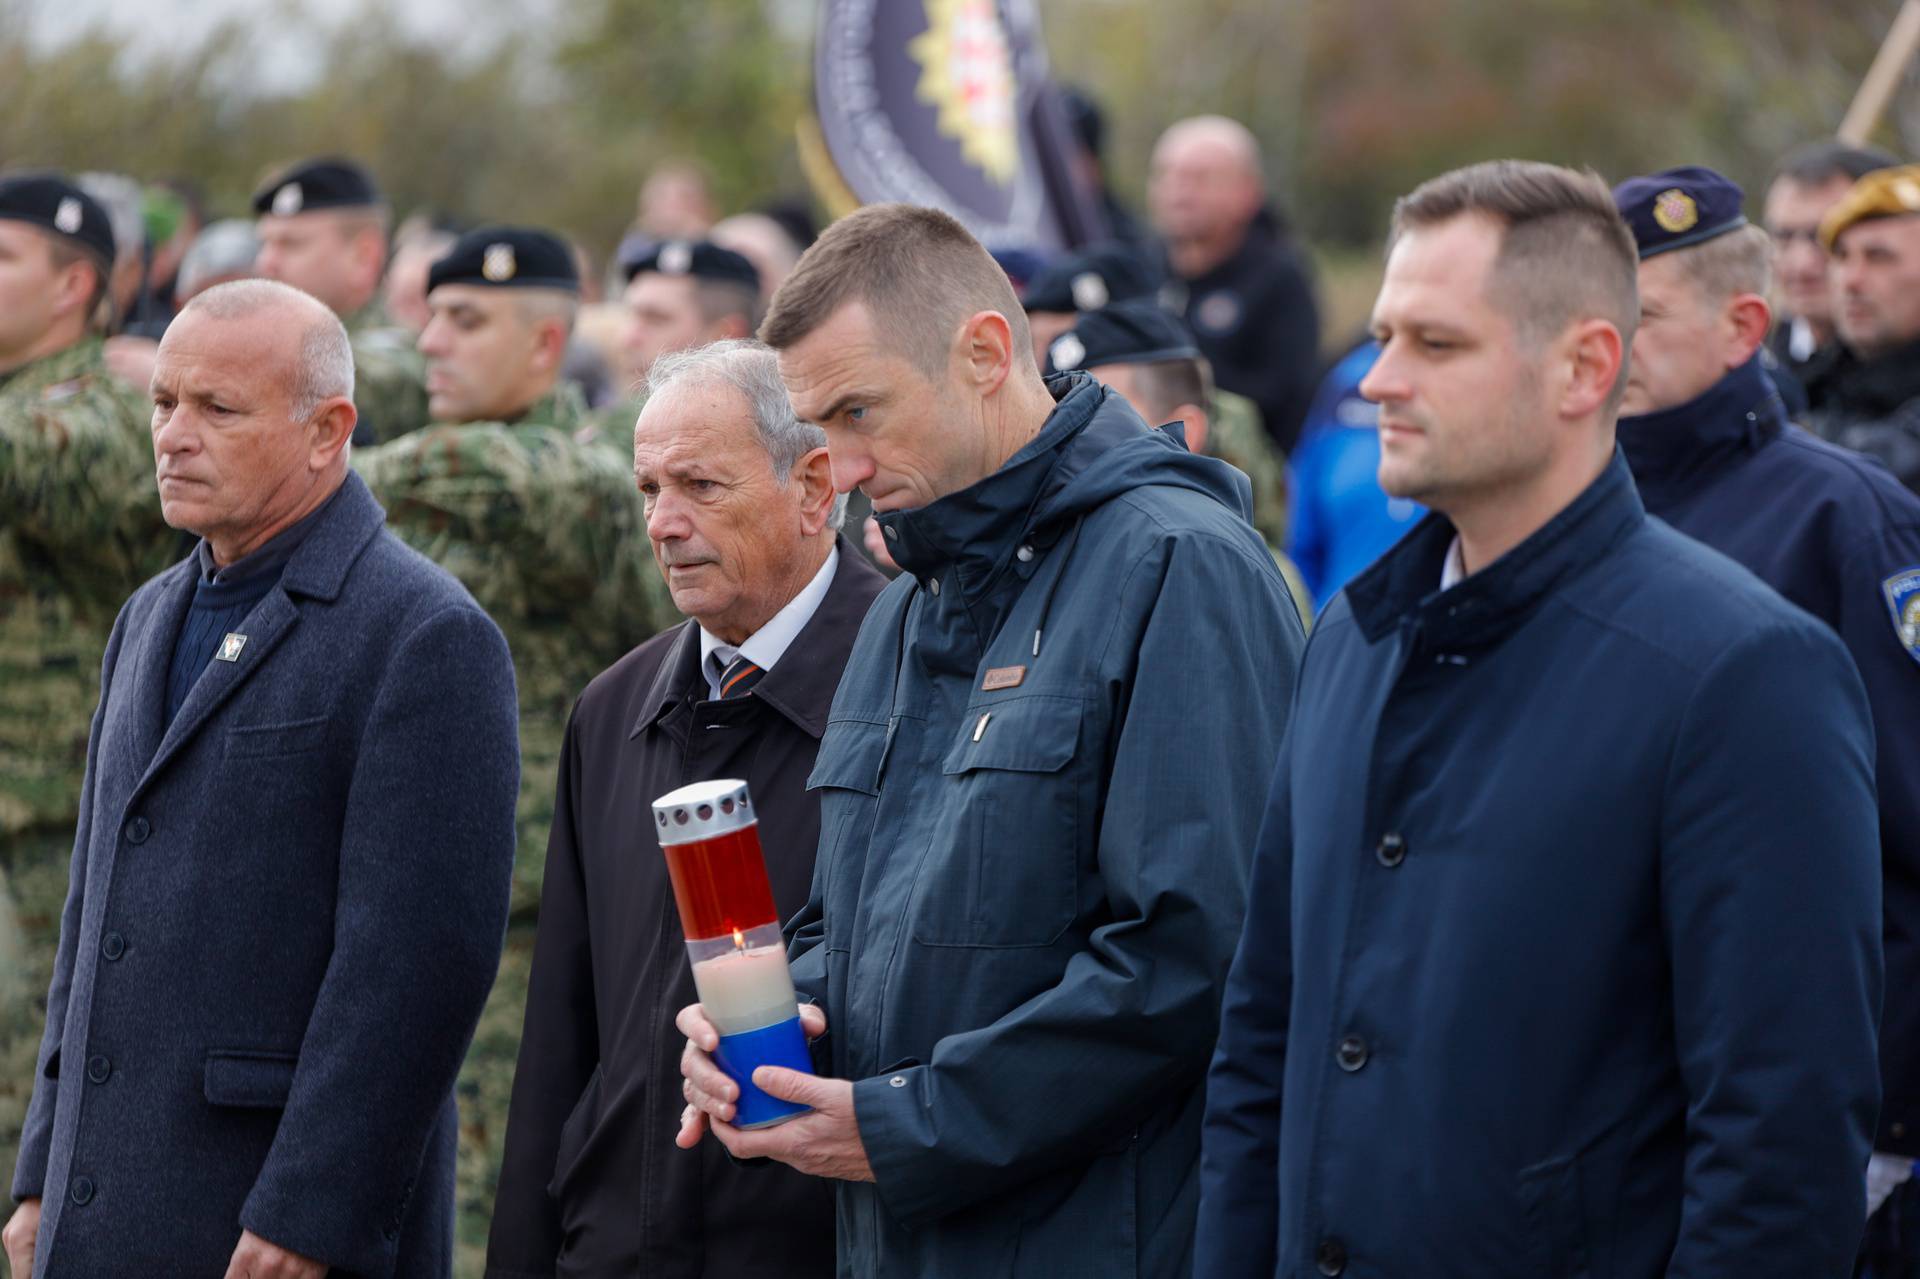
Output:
x,y
80,528
323,228
680,294
1145,352
550,536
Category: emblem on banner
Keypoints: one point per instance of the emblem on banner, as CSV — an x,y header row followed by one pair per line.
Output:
x,y
967,75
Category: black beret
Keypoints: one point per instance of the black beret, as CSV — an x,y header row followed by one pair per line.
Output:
x,y
52,203
701,259
1136,332
317,184
507,257
1675,208
1090,279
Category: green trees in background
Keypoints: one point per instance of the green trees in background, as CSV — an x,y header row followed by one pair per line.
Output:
x,y
1356,100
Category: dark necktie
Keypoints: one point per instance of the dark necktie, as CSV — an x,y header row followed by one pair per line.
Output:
x,y
739,678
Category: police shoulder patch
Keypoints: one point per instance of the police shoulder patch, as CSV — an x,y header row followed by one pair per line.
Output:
x,y
1903,601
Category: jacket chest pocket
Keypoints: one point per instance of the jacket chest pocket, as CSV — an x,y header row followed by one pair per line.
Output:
x,y
846,772
1005,871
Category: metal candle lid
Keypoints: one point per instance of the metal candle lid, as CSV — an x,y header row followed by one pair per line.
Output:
x,y
701,811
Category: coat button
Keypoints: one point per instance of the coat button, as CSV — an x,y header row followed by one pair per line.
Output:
x,y
898,1081
1391,850
1330,1258
138,829
1897,1130
1351,1054
1024,554
113,945
893,534
81,1191
98,1068
933,584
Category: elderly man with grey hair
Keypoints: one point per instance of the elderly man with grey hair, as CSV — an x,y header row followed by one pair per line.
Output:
x,y
290,872
743,518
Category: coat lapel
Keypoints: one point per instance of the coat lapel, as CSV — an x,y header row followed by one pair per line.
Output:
x,y
266,626
145,711
318,570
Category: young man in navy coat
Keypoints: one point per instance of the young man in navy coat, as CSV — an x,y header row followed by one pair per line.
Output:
x,y
290,876
1830,529
1563,952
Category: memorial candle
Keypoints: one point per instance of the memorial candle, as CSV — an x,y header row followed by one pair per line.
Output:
x,y
711,841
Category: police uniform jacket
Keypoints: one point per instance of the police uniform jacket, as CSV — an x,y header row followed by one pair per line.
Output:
x,y
591,1183
1564,941
1835,533
1039,786
285,911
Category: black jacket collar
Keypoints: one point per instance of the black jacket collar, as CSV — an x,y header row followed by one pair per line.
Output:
x,y
1731,419
1403,590
801,684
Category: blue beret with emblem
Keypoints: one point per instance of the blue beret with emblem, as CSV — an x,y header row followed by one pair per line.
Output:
x,y
312,185
1135,332
1090,279
701,259
57,206
507,257
1677,208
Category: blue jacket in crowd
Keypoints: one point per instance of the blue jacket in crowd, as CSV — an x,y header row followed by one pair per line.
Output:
x,y
1563,944
1040,784
1340,519
1836,533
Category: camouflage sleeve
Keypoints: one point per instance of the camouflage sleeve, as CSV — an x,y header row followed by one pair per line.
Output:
x,y
389,385
1237,437
73,461
531,520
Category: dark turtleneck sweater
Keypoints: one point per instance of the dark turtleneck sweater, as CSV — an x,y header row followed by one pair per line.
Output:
x,y
222,599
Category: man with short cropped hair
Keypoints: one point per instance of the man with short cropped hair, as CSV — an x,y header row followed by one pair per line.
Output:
x,y
323,228
1565,919
290,868
1865,394
80,528
1809,182
1239,279
1036,785
1713,455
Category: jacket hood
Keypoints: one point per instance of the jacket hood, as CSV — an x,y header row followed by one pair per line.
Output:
x,y
1093,447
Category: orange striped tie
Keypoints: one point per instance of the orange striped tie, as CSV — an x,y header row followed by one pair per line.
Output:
x,y
739,678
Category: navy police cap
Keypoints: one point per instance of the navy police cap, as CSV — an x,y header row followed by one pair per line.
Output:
x,y
316,184
701,259
1136,332
507,257
1090,279
1676,208
53,204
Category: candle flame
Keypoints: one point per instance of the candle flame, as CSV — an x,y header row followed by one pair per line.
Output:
x,y
739,940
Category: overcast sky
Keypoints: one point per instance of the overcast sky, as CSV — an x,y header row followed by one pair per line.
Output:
x,y
284,29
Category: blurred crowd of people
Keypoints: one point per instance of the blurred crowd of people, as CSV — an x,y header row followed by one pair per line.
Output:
x,y
498,375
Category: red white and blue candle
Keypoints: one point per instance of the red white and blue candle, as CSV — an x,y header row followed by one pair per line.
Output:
x,y
711,839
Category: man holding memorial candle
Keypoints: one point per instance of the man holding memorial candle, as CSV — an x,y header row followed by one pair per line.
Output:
x,y
743,521
1039,786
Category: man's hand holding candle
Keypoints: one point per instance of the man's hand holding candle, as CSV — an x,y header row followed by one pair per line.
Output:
x,y
824,1143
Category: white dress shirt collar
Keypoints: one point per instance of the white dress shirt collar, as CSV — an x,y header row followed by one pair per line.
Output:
x,y
768,644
